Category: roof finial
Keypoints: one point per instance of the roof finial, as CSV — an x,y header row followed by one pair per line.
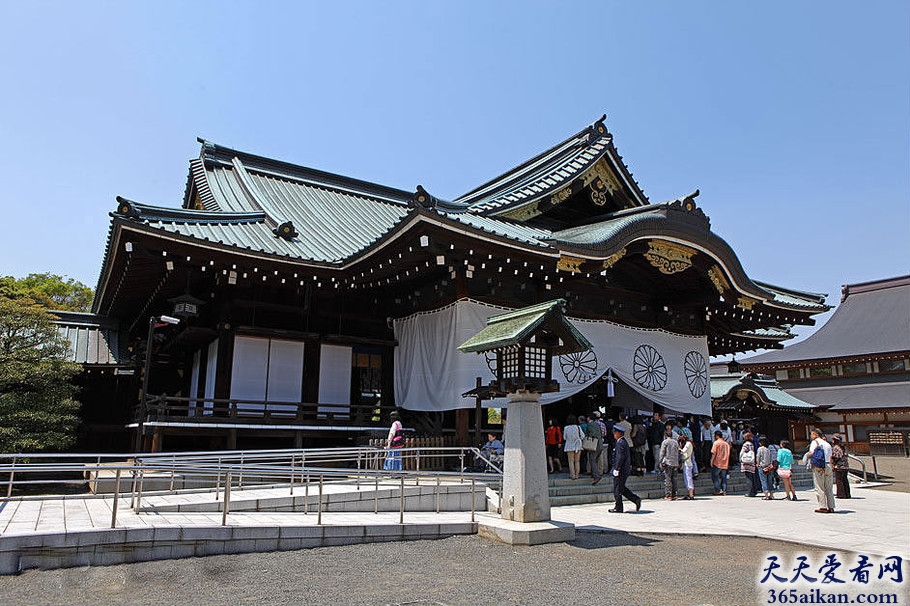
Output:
x,y
127,208
422,198
599,128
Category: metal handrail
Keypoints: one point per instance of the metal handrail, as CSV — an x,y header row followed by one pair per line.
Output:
x,y
262,468
863,464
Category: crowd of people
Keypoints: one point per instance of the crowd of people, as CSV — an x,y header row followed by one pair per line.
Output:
x,y
685,446
592,445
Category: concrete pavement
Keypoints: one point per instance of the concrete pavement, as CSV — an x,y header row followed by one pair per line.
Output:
x,y
76,530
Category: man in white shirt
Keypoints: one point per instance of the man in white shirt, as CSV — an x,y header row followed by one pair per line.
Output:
x,y
822,477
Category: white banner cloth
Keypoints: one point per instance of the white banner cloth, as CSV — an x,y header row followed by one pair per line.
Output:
x,y
431,374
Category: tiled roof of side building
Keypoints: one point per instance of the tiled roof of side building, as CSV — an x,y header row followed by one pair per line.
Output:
x,y
873,319
766,388
865,396
91,339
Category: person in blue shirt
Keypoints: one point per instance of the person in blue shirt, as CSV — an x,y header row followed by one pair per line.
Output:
x,y
785,469
493,446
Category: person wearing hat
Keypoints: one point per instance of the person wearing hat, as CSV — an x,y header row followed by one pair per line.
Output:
x,y
622,467
841,465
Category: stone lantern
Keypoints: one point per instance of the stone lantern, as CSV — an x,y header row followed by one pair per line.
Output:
x,y
525,341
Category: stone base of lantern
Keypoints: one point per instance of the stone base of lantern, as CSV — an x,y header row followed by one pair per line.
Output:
x,y
525,485
524,533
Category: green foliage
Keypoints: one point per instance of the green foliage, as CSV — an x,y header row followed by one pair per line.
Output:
x,y
49,290
38,411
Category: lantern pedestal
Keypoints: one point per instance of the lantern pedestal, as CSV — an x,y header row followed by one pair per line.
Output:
x,y
525,486
525,504
525,342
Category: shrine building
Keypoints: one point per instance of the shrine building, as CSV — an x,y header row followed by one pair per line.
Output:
x,y
282,306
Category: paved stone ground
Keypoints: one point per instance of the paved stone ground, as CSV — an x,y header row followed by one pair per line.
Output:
x,y
631,567
596,568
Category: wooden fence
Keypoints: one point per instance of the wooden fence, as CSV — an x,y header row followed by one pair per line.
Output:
x,y
426,458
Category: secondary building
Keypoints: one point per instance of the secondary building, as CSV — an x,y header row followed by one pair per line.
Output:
x,y
855,369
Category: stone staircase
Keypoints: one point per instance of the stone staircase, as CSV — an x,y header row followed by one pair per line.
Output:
x,y
564,491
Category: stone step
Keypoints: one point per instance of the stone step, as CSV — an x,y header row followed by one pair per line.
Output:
x,y
564,491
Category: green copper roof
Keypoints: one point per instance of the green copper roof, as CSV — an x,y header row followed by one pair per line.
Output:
x,y
766,388
515,327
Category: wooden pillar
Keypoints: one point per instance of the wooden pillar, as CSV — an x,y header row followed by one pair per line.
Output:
x,y
157,440
298,439
461,426
478,410
232,439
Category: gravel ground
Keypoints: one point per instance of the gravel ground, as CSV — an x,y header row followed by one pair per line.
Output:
x,y
594,569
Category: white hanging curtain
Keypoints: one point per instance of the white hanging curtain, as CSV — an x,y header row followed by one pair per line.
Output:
x,y
431,374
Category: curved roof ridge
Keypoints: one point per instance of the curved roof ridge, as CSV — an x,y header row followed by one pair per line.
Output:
x,y
218,154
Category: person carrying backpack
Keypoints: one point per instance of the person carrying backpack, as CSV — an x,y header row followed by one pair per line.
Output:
x,y
818,459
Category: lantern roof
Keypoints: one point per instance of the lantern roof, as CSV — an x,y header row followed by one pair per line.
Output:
x,y
544,323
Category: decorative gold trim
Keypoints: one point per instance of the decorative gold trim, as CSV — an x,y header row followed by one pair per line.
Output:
x,y
523,213
572,264
561,196
747,302
601,171
718,278
669,257
612,259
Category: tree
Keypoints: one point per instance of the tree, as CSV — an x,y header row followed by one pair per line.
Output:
x,y
50,291
38,411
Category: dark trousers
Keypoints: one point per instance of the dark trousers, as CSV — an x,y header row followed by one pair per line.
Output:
x,y
594,465
752,482
841,483
638,460
620,491
705,455
670,481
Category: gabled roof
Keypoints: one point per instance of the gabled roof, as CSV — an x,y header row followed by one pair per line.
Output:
x,y
551,170
764,388
872,318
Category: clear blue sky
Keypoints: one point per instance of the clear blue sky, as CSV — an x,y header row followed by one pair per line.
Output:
x,y
792,118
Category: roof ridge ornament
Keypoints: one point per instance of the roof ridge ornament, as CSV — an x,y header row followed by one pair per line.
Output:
x,y
689,201
286,230
687,204
127,208
422,198
599,129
